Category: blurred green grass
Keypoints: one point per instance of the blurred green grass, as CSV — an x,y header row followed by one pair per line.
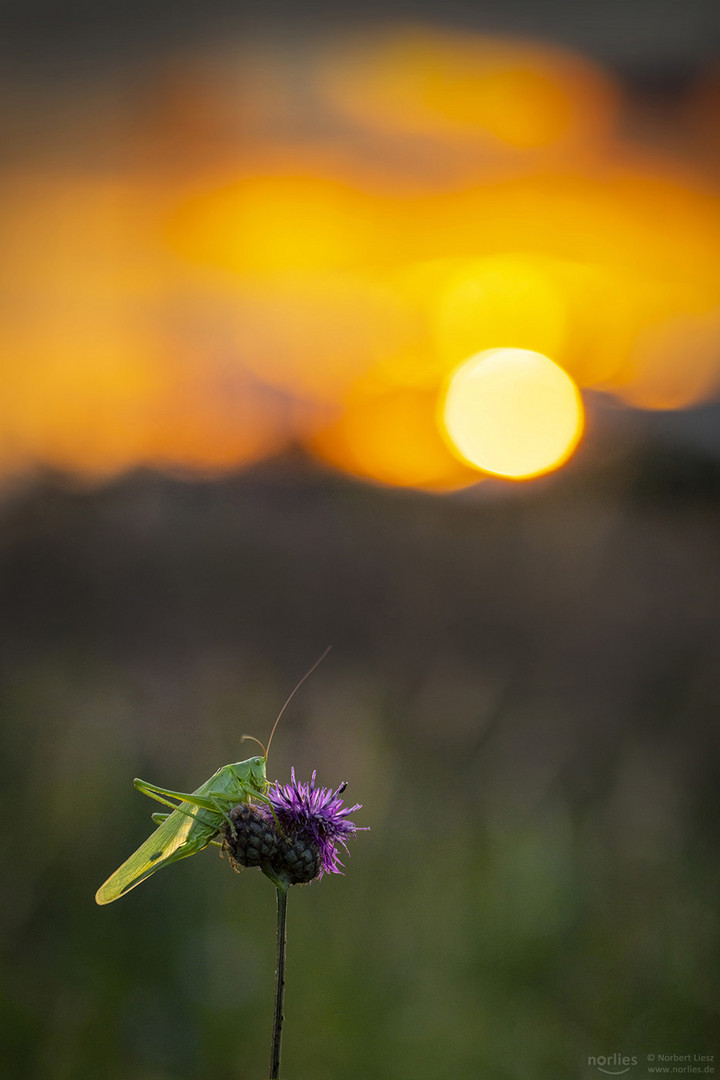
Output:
x,y
523,696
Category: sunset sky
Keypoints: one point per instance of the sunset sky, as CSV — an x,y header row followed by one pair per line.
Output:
x,y
226,248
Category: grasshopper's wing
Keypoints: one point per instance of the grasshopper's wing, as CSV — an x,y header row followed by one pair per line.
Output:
x,y
180,835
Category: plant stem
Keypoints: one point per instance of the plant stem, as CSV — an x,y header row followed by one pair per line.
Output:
x,y
282,891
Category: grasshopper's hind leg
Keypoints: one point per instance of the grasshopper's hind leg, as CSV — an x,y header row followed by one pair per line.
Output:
x,y
164,795
211,801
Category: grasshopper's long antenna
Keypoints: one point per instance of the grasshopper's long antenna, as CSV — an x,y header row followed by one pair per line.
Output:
x,y
292,695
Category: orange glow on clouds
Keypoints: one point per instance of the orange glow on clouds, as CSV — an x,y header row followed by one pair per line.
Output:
x,y
315,334
278,223
499,298
675,363
450,85
391,436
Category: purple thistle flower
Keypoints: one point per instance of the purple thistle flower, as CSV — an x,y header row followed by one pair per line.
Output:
x,y
316,813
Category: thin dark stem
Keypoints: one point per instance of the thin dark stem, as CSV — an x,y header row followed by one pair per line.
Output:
x,y
282,891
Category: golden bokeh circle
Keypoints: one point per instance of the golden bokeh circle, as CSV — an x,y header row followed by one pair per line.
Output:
x,y
512,412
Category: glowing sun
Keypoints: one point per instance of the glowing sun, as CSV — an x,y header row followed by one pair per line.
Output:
x,y
512,412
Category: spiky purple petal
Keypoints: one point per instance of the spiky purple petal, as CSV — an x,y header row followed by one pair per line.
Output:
x,y
318,813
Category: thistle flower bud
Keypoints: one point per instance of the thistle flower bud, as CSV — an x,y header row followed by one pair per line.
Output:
x,y
297,860
251,837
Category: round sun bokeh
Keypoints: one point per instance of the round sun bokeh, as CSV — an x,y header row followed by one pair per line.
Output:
x,y
512,412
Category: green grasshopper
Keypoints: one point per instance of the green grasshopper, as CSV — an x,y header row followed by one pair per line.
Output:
x,y
191,826
196,819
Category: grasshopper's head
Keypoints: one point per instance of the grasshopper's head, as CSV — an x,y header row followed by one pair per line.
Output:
x,y
257,778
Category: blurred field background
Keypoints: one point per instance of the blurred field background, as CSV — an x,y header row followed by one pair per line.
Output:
x,y
242,255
